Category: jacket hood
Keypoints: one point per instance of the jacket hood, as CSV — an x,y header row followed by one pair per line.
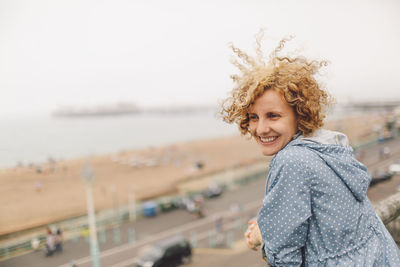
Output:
x,y
334,149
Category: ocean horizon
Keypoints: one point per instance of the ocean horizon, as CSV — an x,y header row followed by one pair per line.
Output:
x,y
35,139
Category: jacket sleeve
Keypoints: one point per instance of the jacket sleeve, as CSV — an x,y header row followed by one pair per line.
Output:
x,y
283,218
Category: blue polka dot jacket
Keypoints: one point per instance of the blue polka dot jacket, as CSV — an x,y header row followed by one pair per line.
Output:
x,y
316,202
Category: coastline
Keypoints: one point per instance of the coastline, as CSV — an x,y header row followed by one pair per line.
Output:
x,y
145,173
62,191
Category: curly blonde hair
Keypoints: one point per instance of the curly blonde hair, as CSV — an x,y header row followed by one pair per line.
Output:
x,y
293,77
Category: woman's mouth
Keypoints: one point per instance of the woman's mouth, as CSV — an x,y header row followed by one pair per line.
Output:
x,y
268,139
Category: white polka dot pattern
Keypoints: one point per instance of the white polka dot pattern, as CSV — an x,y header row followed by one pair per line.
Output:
x,y
317,199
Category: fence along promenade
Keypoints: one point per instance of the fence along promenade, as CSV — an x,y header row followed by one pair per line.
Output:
x,y
75,227
388,210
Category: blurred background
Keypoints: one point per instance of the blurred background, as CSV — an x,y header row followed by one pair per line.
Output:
x,y
114,102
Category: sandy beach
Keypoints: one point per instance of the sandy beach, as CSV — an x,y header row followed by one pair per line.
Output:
x,y
29,198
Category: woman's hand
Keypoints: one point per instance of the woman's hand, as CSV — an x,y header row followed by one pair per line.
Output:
x,y
253,235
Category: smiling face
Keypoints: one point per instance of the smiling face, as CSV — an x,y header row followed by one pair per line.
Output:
x,y
272,122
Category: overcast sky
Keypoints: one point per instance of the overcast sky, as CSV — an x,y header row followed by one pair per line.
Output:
x,y
156,52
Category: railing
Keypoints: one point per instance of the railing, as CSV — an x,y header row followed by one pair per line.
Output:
x,y
388,210
78,227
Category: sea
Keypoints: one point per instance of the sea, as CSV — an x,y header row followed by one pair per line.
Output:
x,y
36,139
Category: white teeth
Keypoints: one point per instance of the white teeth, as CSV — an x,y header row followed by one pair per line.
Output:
x,y
268,139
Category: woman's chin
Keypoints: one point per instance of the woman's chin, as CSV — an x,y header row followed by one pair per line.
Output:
x,y
269,149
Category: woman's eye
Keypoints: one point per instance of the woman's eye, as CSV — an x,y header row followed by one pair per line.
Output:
x,y
252,117
273,115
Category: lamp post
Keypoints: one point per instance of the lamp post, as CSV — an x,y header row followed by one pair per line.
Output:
x,y
132,203
88,177
113,190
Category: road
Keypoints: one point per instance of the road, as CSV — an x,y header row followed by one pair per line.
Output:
x,y
144,228
148,230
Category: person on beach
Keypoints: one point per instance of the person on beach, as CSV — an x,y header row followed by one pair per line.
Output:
x,y
315,211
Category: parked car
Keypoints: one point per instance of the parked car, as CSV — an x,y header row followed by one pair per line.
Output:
x,y
212,191
167,253
380,176
167,204
394,168
384,137
149,209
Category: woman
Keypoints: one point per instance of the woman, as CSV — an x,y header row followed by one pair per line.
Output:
x,y
315,211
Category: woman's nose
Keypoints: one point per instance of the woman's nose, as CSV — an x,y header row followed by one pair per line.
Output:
x,y
263,127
